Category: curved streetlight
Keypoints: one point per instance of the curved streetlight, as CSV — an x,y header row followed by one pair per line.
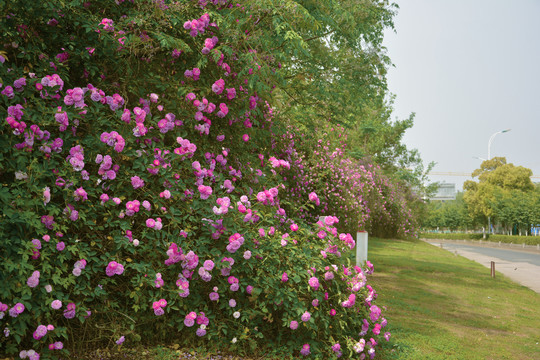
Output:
x,y
489,158
491,139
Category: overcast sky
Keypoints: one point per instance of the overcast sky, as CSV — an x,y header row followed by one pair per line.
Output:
x,y
468,68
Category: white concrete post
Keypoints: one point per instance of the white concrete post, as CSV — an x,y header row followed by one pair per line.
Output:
x,y
361,247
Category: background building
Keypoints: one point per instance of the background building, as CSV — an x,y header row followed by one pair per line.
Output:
x,y
445,192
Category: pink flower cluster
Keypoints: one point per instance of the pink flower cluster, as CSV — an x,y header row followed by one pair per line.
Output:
x,y
183,283
140,115
114,268
14,311
48,221
225,271
33,280
80,194
314,283
224,204
205,274
46,195
61,117
231,93
168,123
37,247
337,349
186,147
279,163
234,283
305,350
75,97
154,224
205,191
209,44
267,197
313,197
113,139
15,113
347,239
132,207
175,254
190,262
349,302
30,354
374,313
358,281
223,110
41,331
62,57
189,320
108,24
106,168
197,26
8,92
114,101
51,81
235,241
137,182
76,157
57,345
192,74
218,86
158,307
56,304
69,313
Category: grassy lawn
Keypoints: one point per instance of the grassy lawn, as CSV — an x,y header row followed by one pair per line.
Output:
x,y
442,306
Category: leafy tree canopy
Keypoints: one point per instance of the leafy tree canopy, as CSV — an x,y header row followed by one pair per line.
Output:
x,y
496,180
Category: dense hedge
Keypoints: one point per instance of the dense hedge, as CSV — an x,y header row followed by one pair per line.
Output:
x,y
140,200
358,191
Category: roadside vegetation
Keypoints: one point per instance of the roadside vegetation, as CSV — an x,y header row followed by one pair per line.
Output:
x,y
504,199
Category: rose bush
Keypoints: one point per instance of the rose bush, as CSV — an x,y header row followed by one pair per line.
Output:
x,y
355,191
140,198
135,232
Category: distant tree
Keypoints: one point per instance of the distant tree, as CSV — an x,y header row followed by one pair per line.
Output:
x,y
504,192
515,207
452,215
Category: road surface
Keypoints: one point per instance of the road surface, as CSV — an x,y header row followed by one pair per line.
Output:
x,y
520,266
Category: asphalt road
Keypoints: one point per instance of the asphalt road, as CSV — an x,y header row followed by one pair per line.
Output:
x,y
503,254
520,266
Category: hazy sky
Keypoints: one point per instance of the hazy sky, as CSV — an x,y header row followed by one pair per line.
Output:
x,y
468,68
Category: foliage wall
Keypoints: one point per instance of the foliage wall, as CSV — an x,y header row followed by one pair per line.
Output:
x,y
141,191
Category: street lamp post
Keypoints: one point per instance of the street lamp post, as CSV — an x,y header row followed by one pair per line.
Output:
x,y
491,140
489,158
